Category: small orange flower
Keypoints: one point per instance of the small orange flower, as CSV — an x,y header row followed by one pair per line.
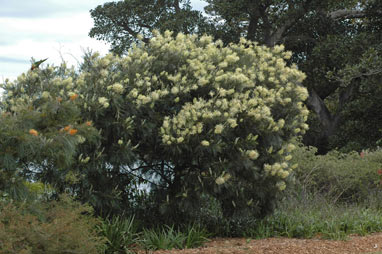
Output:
x,y
379,172
67,128
59,99
73,131
33,132
89,123
73,97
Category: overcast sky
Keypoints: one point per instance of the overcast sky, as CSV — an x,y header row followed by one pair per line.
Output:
x,y
47,28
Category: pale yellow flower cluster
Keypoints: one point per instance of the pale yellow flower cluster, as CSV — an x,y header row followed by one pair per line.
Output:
x,y
219,128
242,83
117,88
104,102
45,95
281,185
205,143
281,170
223,178
252,154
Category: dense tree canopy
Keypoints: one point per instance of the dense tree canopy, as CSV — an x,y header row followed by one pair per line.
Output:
x,y
329,38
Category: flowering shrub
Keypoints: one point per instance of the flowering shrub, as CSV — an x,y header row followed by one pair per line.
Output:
x,y
201,117
33,116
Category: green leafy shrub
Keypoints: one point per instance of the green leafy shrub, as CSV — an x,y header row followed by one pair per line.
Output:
x,y
56,227
349,177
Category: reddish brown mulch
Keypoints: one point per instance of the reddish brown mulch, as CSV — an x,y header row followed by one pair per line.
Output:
x,y
355,244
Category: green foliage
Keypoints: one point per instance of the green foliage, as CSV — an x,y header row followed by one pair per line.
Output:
x,y
317,219
120,22
121,234
339,177
33,119
44,135
332,196
168,238
55,227
195,236
358,130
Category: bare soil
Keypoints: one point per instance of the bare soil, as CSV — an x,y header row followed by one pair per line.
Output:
x,y
371,244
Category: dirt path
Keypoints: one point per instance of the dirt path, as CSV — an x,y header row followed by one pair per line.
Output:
x,y
355,244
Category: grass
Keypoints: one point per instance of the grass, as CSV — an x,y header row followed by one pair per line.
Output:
x,y
123,237
329,221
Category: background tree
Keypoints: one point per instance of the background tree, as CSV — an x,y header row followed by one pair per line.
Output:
x,y
325,36
120,22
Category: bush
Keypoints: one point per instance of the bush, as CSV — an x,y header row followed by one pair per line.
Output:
x,y
341,177
48,228
196,116
219,118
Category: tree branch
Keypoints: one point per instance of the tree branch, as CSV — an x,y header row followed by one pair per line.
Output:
x,y
176,6
276,35
132,32
346,14
253,24
288,23
267,24
315,103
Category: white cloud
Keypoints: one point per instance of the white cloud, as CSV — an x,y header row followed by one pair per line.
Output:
x,y
27,9
47,29
40,38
